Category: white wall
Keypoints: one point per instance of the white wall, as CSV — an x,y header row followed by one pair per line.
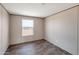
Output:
x,y
16,29
4,30
61,30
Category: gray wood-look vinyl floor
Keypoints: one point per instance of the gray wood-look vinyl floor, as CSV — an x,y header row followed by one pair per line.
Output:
x,y
39,47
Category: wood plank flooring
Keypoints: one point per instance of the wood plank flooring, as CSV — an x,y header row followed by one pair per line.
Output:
x,y
40,47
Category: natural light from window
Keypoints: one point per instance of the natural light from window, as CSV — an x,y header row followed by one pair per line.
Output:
x,y
27,27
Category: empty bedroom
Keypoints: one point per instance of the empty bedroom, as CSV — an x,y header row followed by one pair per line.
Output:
x,y
39,29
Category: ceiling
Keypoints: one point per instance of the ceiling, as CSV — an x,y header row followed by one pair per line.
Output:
x,y
36,9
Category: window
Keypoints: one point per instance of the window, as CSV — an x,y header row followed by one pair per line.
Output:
x,y
27,27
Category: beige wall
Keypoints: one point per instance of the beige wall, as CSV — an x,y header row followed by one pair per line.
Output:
x,y
16,29
4,30
0,32
78,28
61,30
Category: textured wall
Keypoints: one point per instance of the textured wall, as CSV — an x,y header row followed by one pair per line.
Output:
x,y
78,27
61,30
16,29
0,31
4,30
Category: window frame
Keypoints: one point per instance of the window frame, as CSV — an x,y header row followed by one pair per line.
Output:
x,y
32,27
